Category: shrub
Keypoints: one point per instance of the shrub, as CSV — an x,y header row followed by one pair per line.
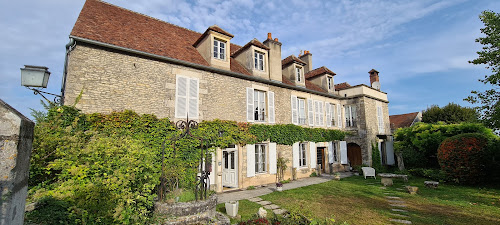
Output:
x,y
433,174
463,157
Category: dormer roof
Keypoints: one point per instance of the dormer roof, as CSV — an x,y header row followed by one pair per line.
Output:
x,y
212,28
291,59
253,42
342,86
319,71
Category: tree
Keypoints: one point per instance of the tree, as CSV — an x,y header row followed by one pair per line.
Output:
x,y
451,113
490,56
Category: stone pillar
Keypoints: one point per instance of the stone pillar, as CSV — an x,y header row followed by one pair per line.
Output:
x,y
16,138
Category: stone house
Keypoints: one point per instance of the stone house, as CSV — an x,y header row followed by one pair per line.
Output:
x,y
125,60
404,120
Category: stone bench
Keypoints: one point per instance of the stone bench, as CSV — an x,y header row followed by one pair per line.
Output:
x,y
387,178
431,184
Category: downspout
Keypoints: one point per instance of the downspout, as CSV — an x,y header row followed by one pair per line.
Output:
x,y
69,47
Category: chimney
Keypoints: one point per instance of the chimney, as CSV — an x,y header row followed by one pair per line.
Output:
x,y
274,61
374,78
307,58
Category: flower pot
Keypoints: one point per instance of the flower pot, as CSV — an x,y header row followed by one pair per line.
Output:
x,y
232,208
280,189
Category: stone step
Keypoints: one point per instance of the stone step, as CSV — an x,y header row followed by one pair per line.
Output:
x,y
256,199
392,197
396,201
264,203
398,215
398,205
272,206
400,221
399,210
279,211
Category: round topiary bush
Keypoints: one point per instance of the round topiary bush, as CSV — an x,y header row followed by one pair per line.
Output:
x,y
462,157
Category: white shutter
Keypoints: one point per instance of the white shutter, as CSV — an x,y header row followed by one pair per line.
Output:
x,y
379,152
250,160
389,150
181,97
272,158
310,108
316,113
343,152
328,116
339,116
332,113
250,108
330,152
321,114
193,98
295,111
270,104
212,175
312,151
380,117
295,155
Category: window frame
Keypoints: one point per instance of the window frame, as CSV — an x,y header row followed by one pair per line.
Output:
x,y
350,116
335,152
298,73
217,50
261,154
329,80
303,154
259,97
259,60
299,114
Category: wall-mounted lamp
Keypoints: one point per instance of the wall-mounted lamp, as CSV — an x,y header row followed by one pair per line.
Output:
x,y
36,78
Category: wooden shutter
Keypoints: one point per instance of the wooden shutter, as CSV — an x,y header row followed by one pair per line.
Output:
x,y
312,154
343,152
295,111
389,151
379,152
295,155
321,114
332,113
328,116
316,113
181,97
380,118
250,108
330,152
272,158
250,160
339,116
310,109
193,98
270,106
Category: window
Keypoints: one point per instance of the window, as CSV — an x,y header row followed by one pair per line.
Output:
x,y
302,154
350,116
260,158
334,146
302,111
318,110
298,73
259,60
186,97
219,49
330,82
259,98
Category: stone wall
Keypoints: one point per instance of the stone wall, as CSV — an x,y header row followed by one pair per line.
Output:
x,y
16,138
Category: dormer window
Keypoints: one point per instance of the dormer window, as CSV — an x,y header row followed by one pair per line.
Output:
x,y
298,72
259,60
219,49
330,82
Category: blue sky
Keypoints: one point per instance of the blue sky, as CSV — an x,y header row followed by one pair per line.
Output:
x,y
421,48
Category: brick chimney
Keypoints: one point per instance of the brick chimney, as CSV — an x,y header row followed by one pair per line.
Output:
x,y
307,58
274,46
374,78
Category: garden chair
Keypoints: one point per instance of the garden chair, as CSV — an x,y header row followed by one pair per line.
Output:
x,y
368,172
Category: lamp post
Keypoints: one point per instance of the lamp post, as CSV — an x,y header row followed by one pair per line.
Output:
x,y
36,78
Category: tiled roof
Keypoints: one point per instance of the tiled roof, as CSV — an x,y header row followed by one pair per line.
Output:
x,y
319,71
211,28
291,59
309,85
341,86
403,120
254,42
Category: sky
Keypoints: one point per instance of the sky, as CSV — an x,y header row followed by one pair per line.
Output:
x,y
421,48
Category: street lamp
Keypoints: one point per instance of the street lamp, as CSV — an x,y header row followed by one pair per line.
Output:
x,y
36,78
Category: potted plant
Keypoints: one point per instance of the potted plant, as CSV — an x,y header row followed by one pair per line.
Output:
x,y
281,164
279,186
337,175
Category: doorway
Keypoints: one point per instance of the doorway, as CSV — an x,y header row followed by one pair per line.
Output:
x,y
230,167
320,154
354,154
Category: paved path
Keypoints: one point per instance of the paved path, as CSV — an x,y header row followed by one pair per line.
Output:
x,y
247,194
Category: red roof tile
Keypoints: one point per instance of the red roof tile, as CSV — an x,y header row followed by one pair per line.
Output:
x,y
254,42
319,71
212,28
285,80
291,59
402,120
342,86
310,85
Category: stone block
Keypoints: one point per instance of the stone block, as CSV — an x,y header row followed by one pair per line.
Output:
x,y
431,184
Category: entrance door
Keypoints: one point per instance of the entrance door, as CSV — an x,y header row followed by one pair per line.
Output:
x,y
354,154
230,167
320,153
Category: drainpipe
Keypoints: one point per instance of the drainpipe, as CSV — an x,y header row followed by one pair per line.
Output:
x,y
69,47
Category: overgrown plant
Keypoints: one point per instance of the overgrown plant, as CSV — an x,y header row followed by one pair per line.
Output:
x,y
281,166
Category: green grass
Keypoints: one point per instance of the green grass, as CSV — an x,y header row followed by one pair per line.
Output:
x,y
356,201
246,209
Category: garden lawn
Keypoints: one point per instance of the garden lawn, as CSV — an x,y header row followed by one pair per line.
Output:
x,y
246,209
360,201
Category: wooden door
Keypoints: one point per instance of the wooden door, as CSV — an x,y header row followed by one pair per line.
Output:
x,y
320,153
354,154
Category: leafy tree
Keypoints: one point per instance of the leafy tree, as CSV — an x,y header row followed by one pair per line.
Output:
x,y
490,56
451,113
